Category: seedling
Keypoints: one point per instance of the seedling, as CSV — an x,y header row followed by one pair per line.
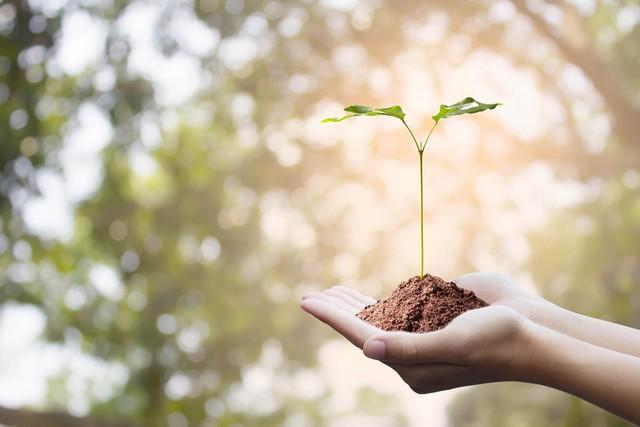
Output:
x,y
466,106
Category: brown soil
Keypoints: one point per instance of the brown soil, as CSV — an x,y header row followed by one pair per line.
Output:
x,y
421,305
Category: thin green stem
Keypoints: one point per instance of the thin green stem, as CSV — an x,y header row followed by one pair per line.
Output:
x,y
421,219
412,135
421,152
427,140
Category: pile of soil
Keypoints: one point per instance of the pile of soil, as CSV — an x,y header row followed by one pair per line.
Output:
x,y
421,305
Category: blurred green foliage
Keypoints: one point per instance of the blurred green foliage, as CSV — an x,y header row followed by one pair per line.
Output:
x,y
586,257
186,240
208,300
584,260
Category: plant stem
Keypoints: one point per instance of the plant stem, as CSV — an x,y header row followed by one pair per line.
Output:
x,y
421,218
421,152
427,140
412,135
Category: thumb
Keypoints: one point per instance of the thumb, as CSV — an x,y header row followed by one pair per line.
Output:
x,y
407,348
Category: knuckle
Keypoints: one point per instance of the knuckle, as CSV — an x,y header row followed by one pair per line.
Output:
x,y
409,351
501,277
463,279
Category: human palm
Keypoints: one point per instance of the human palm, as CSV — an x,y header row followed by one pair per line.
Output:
x,y
500,342
475,347
338,306
497,289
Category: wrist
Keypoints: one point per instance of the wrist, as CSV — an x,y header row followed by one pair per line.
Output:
x,y
547,355
546,313
530,351
605,377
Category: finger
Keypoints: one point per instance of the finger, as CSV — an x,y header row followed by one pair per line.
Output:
x,y
355,330
411,348
482,278
340,303
471,280
346,298
310,295
332,300
491,287
357,295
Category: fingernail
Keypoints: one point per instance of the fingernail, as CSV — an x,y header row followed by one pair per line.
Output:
x,y
374,349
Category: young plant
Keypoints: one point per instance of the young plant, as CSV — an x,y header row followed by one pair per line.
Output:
x,y
466,106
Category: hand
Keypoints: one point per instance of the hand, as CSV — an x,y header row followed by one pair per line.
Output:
x,y
480,346
337,307
496,343
500,289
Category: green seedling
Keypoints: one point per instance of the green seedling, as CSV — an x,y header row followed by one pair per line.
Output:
x,y
466,106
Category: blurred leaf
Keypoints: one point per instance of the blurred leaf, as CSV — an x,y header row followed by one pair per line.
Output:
x,y
395,111
363,110
358,109
337,119
466,106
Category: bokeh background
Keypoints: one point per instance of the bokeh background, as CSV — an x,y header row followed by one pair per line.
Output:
x,y
167,194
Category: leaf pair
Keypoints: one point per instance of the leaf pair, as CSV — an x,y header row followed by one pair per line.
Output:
x,y
466,106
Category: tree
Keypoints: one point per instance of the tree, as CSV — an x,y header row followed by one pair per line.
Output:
x,y
211,211
582,259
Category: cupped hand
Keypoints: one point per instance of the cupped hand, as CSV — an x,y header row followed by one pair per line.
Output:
x,y
483,345
479,346
337,307
500,289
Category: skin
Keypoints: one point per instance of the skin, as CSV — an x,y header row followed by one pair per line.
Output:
x,y
500,289
520,337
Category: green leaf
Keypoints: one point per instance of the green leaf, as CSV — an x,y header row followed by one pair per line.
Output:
x,y
358,109
363,110
336,119
466,106
395,111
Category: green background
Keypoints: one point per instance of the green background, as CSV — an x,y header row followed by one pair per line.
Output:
x,y
248,202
